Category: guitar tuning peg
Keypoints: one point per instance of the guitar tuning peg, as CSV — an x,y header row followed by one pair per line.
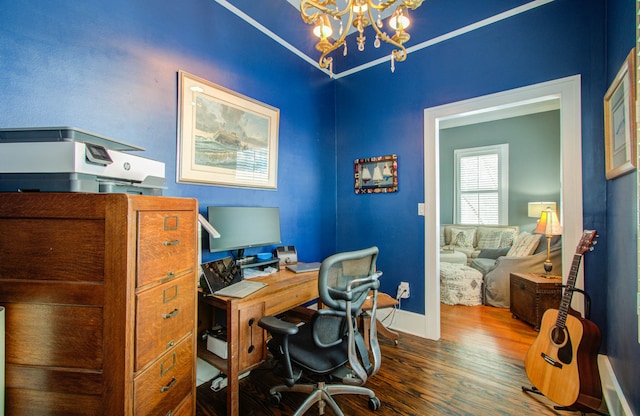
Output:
x,y
591,248
594,242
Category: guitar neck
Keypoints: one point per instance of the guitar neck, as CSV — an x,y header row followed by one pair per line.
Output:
x,y
563,310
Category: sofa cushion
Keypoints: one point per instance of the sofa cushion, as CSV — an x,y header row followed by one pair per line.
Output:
x,y
463,237
524,245
483,265
489,237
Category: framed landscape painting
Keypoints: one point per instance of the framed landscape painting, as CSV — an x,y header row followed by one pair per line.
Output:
x,y
225,138
619,121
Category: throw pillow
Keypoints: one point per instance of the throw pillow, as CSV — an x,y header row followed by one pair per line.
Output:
x,y
524,245
493,253
508,236
489,238
462,237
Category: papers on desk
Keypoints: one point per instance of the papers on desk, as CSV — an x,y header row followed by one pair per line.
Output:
x,y
251,272
241,289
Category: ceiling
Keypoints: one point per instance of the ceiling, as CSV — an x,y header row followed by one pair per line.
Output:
x,y
436,21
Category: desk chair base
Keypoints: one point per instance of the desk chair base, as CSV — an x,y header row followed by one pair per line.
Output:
x,y
321,393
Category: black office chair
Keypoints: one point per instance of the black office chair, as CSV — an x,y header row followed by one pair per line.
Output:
x,y
329,349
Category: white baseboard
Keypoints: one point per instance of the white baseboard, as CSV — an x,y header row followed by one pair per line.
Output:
x,y
409,322
616,402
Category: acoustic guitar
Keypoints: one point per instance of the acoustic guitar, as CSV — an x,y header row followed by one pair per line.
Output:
x,y
562,361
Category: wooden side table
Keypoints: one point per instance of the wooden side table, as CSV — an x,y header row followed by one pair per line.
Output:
x,y
531,295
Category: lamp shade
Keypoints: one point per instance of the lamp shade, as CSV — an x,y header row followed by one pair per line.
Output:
x,y
536,208
549,224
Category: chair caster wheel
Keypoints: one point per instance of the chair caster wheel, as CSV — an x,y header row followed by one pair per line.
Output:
x,y
275,398
374,403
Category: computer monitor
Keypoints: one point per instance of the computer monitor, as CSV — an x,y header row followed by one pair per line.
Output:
x,y
243,227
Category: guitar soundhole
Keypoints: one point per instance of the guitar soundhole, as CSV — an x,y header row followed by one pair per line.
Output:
x,y
557,335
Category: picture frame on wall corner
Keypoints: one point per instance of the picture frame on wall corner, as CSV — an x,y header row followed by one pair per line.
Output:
x,y
619,121
225,138
376,175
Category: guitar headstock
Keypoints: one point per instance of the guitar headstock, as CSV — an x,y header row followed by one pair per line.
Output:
x,y
587,241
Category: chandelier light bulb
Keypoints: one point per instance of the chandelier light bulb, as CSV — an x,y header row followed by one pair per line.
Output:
x,y
323,28
399,21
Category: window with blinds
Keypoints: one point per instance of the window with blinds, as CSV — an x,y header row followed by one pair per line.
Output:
x,y
481,182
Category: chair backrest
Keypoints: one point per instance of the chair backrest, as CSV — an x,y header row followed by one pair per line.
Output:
x,y
344,282
341,270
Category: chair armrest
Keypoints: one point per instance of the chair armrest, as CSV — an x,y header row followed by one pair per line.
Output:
x,y
278,326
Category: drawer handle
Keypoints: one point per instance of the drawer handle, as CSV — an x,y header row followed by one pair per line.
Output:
x,y
170,315
171,243
170,344
168,386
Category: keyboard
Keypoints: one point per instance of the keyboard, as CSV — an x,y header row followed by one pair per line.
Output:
x,y
241,289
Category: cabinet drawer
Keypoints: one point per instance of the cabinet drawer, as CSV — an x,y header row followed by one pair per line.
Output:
x,y
162,387
164,314
166,244
62,336
185,408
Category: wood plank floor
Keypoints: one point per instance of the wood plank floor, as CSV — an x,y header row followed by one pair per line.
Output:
x,y
477,368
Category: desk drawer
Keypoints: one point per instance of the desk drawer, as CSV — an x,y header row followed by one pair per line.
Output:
x,y
166,245
163,386
164,314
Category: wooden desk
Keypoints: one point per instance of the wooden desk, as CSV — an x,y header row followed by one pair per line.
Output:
x,y
245,339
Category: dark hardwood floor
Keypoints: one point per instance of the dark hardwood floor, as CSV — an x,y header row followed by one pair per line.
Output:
x,y
477,368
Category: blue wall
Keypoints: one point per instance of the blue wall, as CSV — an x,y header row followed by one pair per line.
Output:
x,y
111,68
621,221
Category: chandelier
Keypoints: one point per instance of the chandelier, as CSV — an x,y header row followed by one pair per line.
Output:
x,y
359,14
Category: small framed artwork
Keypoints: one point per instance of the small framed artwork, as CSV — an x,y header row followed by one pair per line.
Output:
x,y
225,138
619,121
376,174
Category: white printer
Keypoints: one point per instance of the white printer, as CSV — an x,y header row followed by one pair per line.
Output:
x,y
67,159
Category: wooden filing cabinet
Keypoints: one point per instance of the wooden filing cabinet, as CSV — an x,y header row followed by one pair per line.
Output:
x,y
100,298
531,295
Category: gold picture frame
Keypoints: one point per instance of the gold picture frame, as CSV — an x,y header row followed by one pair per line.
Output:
x,y
225,138
376,174
619,121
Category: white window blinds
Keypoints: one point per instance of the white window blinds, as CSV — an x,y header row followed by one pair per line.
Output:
x,y
481,185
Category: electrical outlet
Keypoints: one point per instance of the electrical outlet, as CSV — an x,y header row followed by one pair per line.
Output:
x,y
403,290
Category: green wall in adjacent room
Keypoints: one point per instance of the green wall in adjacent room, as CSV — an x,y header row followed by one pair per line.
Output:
x,y
534,161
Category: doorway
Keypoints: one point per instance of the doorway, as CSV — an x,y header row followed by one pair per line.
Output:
x,y
565,93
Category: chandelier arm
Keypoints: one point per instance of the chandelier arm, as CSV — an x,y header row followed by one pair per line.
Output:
x,y
401,53
322,8
410,4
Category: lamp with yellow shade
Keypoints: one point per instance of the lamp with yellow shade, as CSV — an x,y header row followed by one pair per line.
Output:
x,y
549,225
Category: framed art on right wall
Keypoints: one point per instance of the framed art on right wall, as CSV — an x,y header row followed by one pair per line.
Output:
x,y
619,121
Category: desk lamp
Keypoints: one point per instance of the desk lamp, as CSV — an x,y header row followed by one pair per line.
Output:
x,y
549,225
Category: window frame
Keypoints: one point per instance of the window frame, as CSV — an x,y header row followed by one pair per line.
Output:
x,y
502,150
